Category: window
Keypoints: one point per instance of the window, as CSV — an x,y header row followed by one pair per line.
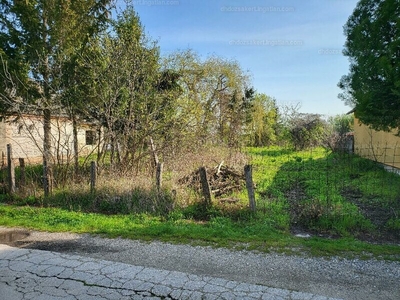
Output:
x,y
90,137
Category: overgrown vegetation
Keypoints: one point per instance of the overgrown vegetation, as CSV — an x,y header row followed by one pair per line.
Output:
x,y
184,111
332,194
342,201
109,80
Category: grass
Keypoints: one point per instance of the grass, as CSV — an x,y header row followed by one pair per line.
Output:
x,y
336,194
313,191
218,232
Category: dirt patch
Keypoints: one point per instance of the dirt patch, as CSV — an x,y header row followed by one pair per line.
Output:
x,y
304,212
377,213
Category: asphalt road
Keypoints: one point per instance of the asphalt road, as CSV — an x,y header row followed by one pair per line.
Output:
x,y
334,277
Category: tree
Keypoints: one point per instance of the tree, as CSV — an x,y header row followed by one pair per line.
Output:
x,y
38,37
226,99
264,121
306,131
373,47
286,114
132,97
337,134
216,98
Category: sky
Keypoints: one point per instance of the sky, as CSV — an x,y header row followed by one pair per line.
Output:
x,y
291,48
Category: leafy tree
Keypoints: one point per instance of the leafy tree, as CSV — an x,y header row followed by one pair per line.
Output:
x,y
373,47
306,131
286,113
226,99
190,109
37,38
131,95
239,116
216,98
264,121
337,133
342,124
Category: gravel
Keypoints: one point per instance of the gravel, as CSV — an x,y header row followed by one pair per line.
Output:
x,y
333,277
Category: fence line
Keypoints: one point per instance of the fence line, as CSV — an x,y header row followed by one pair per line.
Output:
x,y
324,176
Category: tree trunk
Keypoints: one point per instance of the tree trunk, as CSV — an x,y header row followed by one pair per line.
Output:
x,y
154,152
76,150
47,157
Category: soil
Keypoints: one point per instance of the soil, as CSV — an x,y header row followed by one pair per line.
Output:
x,y
377,213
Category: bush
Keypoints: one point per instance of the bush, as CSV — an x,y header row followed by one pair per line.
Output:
x,y
306,131
338,137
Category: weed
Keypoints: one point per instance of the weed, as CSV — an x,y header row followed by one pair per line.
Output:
x,y
344,197
394,224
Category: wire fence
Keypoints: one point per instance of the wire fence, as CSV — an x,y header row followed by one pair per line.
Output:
x,y
333,191
305,189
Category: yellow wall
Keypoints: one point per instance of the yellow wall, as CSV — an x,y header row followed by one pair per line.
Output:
x,y
380,146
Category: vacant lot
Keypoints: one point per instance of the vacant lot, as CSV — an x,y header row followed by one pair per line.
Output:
x,y
344,205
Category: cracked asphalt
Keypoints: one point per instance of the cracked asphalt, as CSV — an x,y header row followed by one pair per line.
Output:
x,y
38,274
43,265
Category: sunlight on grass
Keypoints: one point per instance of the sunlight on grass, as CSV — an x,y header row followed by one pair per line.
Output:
x,y
316,191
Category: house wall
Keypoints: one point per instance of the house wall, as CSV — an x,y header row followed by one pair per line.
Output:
x,y
380,146
26,137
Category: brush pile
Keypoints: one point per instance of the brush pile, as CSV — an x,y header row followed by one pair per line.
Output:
x,y
223,180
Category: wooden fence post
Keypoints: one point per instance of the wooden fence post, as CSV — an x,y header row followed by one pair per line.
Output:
x,y
23,174
159,171
93,171
11,170
46,181
3,159
250,187
205,186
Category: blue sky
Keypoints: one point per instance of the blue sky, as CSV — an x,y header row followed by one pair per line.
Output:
x,y
291,48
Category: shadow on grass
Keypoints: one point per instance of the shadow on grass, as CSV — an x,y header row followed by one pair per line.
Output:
x,y
103,201
339,195
272,152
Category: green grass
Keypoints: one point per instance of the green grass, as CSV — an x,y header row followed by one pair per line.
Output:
x,y
326,192
316,191
218,232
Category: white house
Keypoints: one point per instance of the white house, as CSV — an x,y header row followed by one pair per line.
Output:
x,y
25,134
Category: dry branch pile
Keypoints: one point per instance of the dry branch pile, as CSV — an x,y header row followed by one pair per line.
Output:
x,y
223,180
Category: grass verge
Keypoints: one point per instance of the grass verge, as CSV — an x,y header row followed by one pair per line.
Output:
x,y
218,232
